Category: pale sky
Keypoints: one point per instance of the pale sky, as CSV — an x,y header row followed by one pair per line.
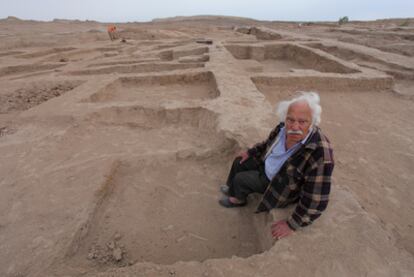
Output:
x,y
136,10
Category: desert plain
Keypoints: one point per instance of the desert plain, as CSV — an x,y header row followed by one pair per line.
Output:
x,y
112,152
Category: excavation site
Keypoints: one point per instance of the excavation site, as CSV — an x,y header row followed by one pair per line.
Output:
x,y
113,151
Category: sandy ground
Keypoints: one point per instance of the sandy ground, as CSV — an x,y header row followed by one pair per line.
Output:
x,y
112,152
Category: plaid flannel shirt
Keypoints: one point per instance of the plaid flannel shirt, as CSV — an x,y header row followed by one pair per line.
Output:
x,y
305,178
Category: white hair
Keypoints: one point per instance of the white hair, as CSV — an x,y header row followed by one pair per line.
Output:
x,y
311,98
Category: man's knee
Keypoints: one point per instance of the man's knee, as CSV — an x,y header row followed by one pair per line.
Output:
x,y
241,179
249,181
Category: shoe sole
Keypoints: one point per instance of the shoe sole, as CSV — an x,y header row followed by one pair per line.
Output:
x,y
225,202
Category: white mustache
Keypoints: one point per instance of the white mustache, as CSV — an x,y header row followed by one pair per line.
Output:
x,y
294,132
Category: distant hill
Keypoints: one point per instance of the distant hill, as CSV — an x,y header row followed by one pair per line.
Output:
x,y
12,18
205,18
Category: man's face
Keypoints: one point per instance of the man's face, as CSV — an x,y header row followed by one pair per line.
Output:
x,y
298,121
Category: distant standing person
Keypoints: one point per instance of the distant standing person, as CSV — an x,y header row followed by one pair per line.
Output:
x,y
292,166
112,32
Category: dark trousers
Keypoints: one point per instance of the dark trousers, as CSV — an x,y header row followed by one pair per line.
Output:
x,y
246,178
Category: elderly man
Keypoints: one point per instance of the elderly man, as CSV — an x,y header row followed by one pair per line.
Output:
x,y
294,165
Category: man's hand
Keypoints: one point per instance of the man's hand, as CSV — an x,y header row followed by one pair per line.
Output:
x,y
244,156
281,229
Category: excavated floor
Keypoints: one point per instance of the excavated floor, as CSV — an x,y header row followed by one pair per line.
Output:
x,y
151,211
153,215
33,94
287,57
154,89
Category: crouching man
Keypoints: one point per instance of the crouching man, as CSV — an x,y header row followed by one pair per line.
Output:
x,y
292,166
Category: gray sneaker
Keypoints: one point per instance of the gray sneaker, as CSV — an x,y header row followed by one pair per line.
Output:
x,y
225,202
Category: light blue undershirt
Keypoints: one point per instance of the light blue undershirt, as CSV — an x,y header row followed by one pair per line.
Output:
x,y
279,154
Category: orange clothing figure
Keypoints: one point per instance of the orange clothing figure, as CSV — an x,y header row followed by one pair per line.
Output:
x,y
112,32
